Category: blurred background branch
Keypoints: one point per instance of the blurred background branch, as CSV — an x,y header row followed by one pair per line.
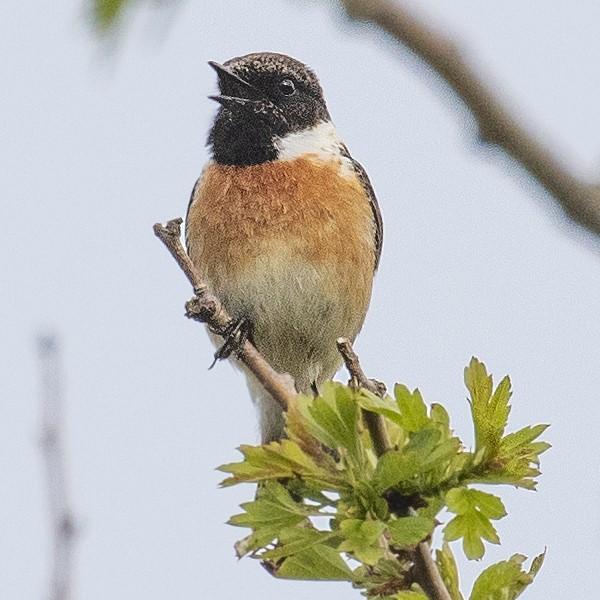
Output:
x,y
61,518
497,126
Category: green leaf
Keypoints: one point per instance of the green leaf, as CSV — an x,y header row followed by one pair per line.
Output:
x,y
409,469
358,496
516,461
319,563
332,418
410,595
520,439
362,539
393,468
280,460
490,411
537,564
505,580
449,571
272,511
474,510
440,415
385,407
412,408
294,540
409,531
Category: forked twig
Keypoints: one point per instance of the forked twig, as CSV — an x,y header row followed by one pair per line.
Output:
x,y
426,569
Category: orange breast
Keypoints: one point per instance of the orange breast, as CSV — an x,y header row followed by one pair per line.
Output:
x,y
289,246
239,212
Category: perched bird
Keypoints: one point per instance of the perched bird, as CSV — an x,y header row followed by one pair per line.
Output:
x,y
283,223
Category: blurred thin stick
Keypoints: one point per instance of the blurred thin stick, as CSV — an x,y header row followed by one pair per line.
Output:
x,y
497,126
63,527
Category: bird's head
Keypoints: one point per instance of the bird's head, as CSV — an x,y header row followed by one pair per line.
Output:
x,y
268,101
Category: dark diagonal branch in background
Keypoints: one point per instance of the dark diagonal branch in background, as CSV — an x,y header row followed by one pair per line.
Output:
x,y
206,308
497,126
63,527
426,569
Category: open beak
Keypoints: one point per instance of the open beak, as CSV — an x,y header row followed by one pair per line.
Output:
x,y
237,93
231,101
234,89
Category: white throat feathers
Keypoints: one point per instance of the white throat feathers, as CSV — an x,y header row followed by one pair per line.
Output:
x,y
320,141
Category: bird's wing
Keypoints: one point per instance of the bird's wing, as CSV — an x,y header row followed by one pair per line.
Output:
x,y
187,214
368,188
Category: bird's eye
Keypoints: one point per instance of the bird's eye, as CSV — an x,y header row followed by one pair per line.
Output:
x,y
287,87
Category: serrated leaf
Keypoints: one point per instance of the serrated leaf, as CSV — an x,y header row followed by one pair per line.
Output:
x,y
523,437
505,580
332,418
537,564
474,510
272,511
409,531
499,405
319,563
439,415
279,460
449,571
490,411
478,382
412,408
362,539
385,407
294,540
425,452
394,467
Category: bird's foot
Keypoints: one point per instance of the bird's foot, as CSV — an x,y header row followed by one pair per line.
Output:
x,y
235,336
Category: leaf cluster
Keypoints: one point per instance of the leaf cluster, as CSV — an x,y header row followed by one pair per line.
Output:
x,y
329,508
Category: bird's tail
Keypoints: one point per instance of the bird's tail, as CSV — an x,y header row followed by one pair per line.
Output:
x,y
270,415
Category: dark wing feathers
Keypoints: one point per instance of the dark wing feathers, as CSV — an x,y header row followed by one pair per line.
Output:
x,y
187,214
366,184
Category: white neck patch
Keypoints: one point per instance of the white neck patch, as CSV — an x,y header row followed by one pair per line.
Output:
x,y
321,141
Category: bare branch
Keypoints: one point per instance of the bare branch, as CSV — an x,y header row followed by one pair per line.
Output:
x,y
426,569
429,575
375,424
497,126
206,308
63,526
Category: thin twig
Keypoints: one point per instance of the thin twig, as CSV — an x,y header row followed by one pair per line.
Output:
x,y
206,308
426,569
497,126
429,575
63,526
375,424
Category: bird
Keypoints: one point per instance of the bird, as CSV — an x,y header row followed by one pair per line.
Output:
x,y
283,224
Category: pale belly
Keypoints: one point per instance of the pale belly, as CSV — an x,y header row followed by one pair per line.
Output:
x,y
297,310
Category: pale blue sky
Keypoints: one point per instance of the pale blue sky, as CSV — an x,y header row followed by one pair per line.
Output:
x,y
476,261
